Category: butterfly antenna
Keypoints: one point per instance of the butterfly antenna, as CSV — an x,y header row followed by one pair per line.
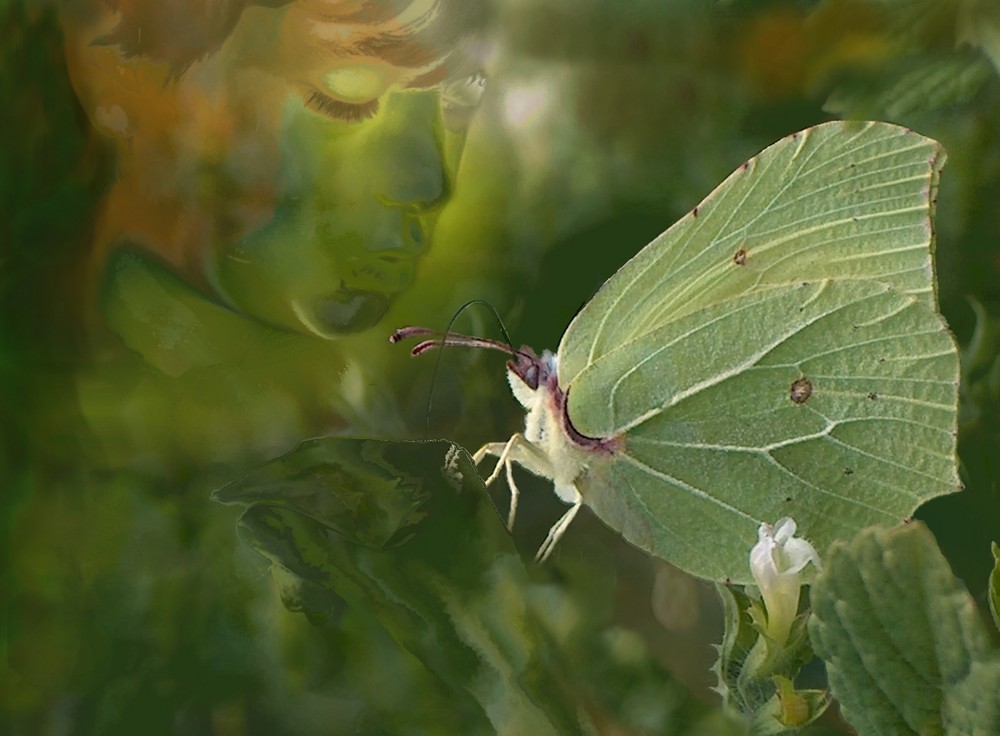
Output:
x,y
450,338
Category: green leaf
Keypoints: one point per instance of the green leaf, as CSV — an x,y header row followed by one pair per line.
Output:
x,y
994,589
980,353
170,323
913,83
404,533
738,639
979,25
367,491
905,647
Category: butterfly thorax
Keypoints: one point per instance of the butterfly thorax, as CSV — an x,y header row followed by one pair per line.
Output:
x,y
534,382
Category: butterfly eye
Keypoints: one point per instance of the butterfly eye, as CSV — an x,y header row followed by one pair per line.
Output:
x,y
460,99
530,376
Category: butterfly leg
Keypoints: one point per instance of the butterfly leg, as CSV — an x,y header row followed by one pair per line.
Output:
x,y
514,494
503,452
499,450
557,530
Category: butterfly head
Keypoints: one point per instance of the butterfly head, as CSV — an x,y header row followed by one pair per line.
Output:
x,y
528,372
533,379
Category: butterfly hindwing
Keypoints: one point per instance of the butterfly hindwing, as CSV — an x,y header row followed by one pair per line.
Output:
x,y
832,402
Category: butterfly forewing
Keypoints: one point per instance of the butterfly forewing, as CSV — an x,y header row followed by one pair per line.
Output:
x,y
842,200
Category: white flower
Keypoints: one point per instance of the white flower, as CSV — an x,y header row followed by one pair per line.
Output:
x,y
777,563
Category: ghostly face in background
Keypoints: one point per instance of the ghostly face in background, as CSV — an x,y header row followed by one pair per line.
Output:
x,y
289,158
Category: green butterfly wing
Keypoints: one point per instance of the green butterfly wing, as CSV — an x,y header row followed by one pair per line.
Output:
x,y
777,354
843,200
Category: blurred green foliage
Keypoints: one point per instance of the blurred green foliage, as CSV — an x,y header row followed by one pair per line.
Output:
x,y
405,532
130,603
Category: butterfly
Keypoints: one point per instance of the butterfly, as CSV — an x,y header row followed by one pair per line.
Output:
x,y
777,352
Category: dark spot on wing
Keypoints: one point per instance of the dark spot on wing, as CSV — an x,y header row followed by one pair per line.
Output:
x,y
872,395
801,391
694,212
848,471
740,257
